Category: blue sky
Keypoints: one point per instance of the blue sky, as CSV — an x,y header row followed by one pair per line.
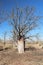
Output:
x,y
9,4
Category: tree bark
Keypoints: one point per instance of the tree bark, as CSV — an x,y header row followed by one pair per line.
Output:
x,y
21,46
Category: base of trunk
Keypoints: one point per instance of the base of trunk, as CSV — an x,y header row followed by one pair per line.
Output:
x,y
20,46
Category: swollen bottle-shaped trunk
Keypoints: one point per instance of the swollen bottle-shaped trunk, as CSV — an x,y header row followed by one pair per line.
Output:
x,y
21,45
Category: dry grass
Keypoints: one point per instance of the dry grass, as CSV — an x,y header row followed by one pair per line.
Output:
x,y
11,57
32,56
37,46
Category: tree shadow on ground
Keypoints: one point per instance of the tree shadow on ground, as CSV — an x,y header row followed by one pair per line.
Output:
x,y
30,48
1,48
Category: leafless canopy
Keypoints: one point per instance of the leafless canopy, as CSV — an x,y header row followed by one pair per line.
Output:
x,y
23,20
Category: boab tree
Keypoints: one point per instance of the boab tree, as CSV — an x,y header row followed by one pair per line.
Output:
x,y
23,21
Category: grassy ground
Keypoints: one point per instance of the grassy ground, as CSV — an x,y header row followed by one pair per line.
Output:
x,y
30,57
